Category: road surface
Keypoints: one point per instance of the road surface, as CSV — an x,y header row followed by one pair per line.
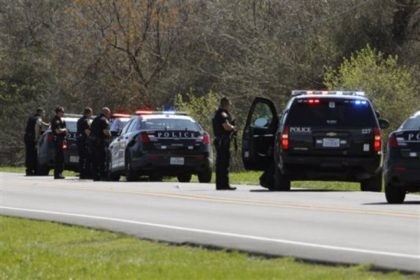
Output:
x,y
327,226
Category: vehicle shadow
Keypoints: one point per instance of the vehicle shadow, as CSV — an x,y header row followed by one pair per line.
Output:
x,y
410,202
298,190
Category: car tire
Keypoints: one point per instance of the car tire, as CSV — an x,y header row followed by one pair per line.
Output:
x,y
113,177
130,174
184,178
281,181
205,176
42,170
374,184
156,178
393,194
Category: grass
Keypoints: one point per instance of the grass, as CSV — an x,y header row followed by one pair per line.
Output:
x,y
46,250
244,177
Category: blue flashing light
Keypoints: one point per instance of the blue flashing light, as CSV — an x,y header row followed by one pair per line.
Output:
x,y
360,102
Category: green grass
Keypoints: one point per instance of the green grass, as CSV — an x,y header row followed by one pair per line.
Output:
x,y
45,250
244,177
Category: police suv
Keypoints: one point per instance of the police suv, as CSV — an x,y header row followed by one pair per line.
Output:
x,y
402,160
157,144
320,135
46,147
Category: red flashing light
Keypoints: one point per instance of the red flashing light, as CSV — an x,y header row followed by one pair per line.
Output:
x,y
144,138
377,141
284,138
143,112
313,101
120,115
65,146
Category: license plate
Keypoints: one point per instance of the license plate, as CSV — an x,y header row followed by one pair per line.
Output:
x,y
177,161
74,159
331,142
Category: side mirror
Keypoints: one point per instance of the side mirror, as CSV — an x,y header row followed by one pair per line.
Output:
x,y
260,122
384,124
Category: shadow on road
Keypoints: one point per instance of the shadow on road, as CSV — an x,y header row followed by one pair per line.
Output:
x,y
299,190
410,202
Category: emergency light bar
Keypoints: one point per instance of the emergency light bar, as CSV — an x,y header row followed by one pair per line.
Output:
x,y
327,92
145,112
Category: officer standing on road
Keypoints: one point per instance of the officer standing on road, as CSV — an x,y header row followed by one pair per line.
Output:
x,y
223,128
99,138
33,130
83,132
59,130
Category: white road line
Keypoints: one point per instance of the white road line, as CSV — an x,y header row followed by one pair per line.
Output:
x,y
220,233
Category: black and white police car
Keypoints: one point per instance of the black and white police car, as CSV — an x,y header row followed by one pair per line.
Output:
x,y
158,144
402,160
320,135
46,147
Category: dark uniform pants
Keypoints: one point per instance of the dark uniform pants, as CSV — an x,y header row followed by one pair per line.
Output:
x,y
30,156
222,162
85,164
99,157
59,158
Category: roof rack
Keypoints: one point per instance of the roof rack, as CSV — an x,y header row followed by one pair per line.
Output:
x,y
145,112
327,92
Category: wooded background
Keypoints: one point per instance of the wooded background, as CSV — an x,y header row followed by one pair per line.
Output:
x,y
128,54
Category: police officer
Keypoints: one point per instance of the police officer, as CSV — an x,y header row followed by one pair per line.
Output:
x,y
100,135
83,132
223,128
59,130
33,130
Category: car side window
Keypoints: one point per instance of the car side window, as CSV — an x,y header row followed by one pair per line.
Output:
x,y
133,125
125,129
262,116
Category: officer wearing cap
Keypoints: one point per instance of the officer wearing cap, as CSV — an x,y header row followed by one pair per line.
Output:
x,y
83,132
223,128
59,130
34,128
100,135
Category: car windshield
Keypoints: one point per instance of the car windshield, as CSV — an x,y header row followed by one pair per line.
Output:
x,y
411,124
71,126
169,124
331,112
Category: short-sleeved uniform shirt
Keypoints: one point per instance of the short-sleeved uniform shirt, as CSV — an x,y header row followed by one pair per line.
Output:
x,y
99,124
58,123
220,117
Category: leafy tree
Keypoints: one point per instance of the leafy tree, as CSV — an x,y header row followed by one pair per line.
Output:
x,y
392,87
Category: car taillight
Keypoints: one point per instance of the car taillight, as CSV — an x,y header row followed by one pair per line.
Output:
x,y
64,145
377,141
206,139
284,138
392,141
144,138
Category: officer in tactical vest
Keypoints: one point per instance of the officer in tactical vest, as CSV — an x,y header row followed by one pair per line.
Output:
x,y
99,137
223,129
59,130
83,132
34,128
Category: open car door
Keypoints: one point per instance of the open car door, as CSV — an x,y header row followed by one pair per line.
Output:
x,y
259,133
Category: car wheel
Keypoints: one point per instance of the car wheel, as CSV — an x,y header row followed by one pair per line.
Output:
x,y
205,176
374,184
130,174
42,170
184,178
281,181
156,178
113,176
393,194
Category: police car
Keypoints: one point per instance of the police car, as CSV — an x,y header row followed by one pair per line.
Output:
x,y
320,135
46,147
402,160
158,144
117,123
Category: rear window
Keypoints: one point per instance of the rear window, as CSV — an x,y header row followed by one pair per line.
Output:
x,y
331,112
411,124
71,126
169,124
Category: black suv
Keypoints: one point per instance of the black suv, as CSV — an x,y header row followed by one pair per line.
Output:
x,y
46,147
402,160
157,144
320,135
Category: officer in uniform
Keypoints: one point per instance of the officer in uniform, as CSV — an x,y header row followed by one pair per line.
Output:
x,y
32,133
100,135
83,132
59,130
223,128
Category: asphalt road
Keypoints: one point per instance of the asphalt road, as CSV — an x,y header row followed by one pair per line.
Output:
x,y
326,226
